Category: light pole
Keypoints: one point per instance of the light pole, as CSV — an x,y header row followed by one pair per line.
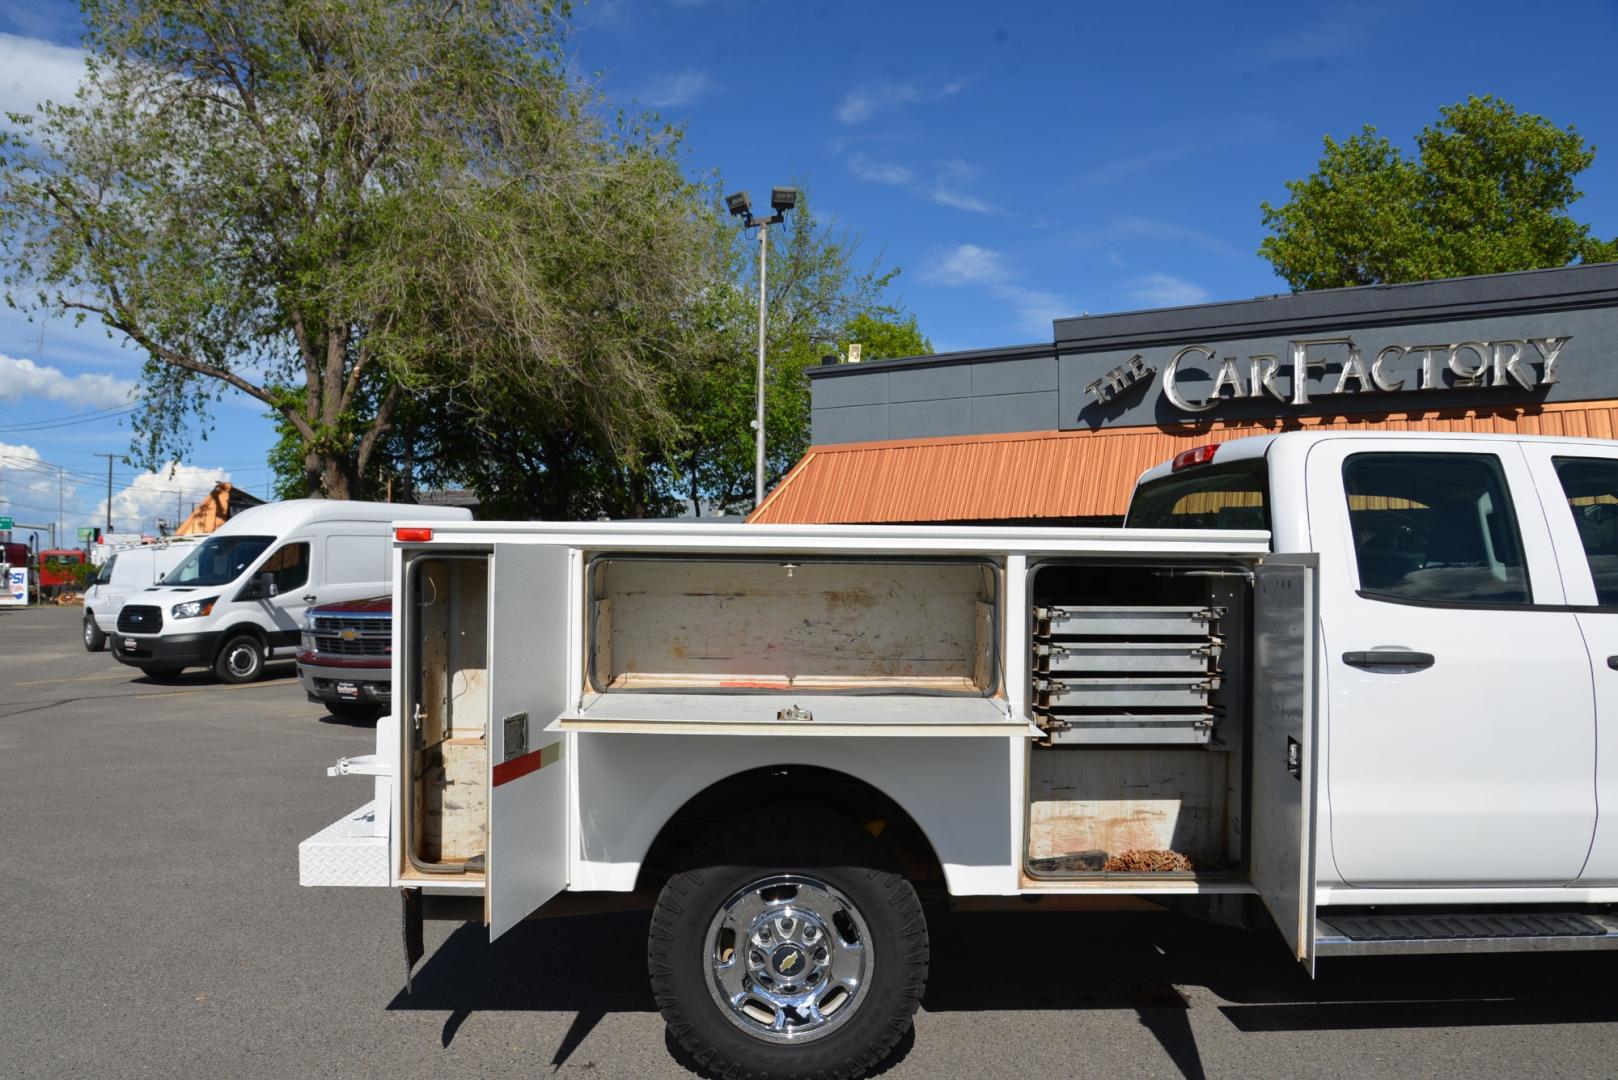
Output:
x,y
782,199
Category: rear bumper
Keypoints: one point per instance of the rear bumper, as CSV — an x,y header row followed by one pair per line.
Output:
x,y
176,650
353,850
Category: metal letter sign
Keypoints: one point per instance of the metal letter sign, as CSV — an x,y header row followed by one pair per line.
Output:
x,y
1508,363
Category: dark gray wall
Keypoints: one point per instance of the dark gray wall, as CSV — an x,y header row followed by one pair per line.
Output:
x,y
1043,388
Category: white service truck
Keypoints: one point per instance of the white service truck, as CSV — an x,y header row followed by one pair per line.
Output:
x,y
1365,681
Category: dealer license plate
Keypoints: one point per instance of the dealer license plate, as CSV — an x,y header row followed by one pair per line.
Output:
x,y
129,644
347,690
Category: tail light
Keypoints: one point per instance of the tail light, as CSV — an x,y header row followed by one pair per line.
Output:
x,y
1197,455
421,536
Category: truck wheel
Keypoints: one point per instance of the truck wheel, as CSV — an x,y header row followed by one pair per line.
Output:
x,y
788,947
94,639
241,660
355,710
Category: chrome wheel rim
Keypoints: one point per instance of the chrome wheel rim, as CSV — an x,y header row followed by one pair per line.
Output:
x,y
242,660
789,958
89,632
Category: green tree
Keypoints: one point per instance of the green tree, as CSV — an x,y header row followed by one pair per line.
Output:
x,y
331,205
1488,191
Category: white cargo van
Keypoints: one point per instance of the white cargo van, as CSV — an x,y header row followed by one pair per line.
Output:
x,y
124,573
237,600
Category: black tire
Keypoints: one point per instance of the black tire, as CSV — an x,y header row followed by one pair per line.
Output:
x,y
94,639
160,671
355,710
241,660
798,848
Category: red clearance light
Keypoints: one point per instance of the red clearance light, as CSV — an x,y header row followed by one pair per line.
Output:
x,y
1197,455
415,536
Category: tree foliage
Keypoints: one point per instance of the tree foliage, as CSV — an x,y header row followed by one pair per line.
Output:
x,y
334,206
1488,191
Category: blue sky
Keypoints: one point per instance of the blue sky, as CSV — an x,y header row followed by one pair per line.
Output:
x,y
1019,162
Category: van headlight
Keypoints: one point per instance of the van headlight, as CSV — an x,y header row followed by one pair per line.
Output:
x,y
191,609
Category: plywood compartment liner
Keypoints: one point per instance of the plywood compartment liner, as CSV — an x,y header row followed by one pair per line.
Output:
x,y
768,625
1088,806
449,711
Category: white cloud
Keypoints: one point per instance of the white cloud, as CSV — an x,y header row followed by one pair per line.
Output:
x,y
879,172
98,390
159,494
970,265
1121,168
946,189
32,71
967,264
679,88
29,486
862,102
1165,290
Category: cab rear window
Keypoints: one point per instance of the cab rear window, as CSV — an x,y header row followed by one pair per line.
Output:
x,y
1234,495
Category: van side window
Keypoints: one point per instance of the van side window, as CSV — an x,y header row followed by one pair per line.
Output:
x,y
1591,487
1435,528
105,577
290,565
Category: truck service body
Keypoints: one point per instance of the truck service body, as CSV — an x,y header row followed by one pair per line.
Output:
x,y
1358,678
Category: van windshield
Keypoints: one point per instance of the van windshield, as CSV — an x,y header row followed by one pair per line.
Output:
x,y
1230,496
218,560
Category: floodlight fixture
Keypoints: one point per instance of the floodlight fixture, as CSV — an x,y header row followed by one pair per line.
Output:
x,y
783,199
739,204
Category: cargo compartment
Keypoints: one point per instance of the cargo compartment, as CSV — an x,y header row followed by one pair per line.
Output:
x,y
447,715
1138,678
792,624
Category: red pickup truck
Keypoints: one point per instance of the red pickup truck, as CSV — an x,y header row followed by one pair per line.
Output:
x,y
345,660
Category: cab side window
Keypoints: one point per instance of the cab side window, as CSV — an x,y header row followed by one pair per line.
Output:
x,y
1435,528
105,576
289,566
1591,488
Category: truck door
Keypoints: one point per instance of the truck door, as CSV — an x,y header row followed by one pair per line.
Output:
x,y
1460,724
1284,724
527,861
1578,484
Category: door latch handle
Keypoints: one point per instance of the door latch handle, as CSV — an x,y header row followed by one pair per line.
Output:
x,y
1612,662
310,598
1406,658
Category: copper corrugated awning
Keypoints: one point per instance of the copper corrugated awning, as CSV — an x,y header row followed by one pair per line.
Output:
x,y
1075,474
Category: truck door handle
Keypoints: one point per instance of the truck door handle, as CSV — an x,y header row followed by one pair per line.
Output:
x,y
1389,658
310,598
1612,662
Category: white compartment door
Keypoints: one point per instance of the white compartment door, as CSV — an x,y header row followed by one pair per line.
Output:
x,y
528,646
1284,727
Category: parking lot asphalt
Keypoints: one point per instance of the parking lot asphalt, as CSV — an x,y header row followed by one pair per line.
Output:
x,y
154,927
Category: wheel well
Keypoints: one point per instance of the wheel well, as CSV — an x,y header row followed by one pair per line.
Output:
x,y
786,785
241,628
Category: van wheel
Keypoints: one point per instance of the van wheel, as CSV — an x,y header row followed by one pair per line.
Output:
x,y
788,947
241,660
94,639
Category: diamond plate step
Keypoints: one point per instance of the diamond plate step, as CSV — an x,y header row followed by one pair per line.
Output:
x,y
1358,935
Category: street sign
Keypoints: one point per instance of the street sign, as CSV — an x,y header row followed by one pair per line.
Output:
x,y
87,532
5,524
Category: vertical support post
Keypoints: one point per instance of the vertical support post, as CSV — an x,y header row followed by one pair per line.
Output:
x,y
109,458
758,421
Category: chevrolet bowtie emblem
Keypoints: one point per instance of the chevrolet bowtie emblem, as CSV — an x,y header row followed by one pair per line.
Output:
x,y
350,635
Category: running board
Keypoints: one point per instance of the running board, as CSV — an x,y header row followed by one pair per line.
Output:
x,y
1439,932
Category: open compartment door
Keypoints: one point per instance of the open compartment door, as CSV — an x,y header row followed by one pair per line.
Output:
x,y
528,642
1284,735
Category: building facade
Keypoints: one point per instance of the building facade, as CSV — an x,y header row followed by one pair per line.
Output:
x,y
1058,433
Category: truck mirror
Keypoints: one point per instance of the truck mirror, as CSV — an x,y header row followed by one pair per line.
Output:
x,y
264,586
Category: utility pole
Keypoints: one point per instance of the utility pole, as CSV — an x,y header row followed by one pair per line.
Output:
x,y
109,458
61,521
